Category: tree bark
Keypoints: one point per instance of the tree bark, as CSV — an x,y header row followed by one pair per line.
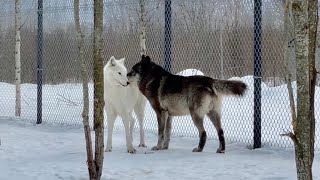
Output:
x,y
142,26
287,33
98,87
305,26
17,57
313,23
84,75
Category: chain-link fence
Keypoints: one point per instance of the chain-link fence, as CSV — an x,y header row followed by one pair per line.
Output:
x,y
213,37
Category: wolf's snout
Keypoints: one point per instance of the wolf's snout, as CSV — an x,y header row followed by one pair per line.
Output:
x,y
128,83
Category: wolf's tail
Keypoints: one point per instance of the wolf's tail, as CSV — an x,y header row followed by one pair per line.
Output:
x,y
230,87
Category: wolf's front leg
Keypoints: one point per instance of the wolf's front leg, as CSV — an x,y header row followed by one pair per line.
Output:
x,y
162,116
126,120
132,122
139,111
111,117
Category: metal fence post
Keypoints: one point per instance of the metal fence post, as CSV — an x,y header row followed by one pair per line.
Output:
x,y
257,74
39,61
167,36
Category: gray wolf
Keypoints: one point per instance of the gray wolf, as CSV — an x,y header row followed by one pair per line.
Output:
x,y
121,99
174,95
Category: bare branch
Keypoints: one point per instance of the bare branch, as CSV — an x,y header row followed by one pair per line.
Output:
x,y
292,136
286,45
25,101
156,8
28,16
84,75
66,100
123,5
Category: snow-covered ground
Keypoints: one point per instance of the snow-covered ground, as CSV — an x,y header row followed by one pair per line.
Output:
x,y
52,152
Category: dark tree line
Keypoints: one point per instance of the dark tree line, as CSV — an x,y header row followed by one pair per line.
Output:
x,y
202,38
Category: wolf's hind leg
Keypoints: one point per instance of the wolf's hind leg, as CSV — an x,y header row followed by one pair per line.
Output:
x,y
215,118
198,122
167,133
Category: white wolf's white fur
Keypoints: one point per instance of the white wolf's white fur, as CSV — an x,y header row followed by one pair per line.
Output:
x,y
121,98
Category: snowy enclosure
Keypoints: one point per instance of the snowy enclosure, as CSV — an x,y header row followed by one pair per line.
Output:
x,y
209,37
62,104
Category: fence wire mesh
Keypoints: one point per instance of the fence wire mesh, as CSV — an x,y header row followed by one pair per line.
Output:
x,y
210,37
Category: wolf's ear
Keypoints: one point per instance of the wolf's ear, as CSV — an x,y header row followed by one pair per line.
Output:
x,y
145,59
112,61
122,60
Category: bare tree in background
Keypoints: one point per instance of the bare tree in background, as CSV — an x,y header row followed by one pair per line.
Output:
x,y
85,90
222,29
17,57
235,51
98,87
142,26
305,20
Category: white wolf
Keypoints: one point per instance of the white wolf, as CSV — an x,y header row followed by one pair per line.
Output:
x,y
121,98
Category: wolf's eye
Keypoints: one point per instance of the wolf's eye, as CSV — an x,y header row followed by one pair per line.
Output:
x,y
119,73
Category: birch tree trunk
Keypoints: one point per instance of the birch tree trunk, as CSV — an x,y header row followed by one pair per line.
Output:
x,y
222,29
17,57
305,17
84,75
142,26
287,33
313,29
98,87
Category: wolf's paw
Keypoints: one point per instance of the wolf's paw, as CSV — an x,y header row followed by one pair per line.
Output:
x,y
220,151
197,150
142,145
131,150
108,150
165,148
155,148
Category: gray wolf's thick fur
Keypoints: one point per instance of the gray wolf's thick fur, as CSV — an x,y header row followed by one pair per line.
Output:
x,y
174,95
